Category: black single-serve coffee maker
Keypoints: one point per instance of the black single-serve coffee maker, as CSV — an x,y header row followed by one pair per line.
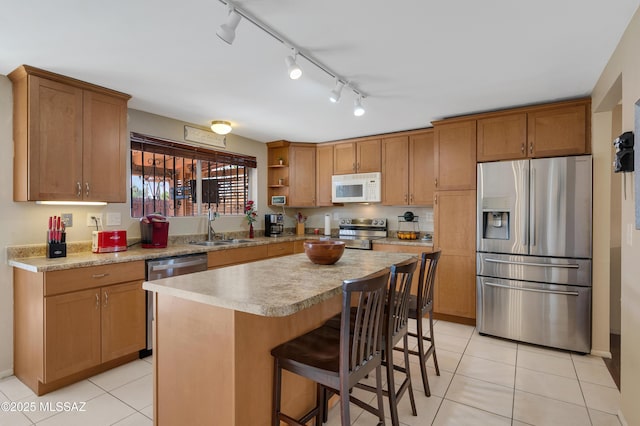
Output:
x,y
273,225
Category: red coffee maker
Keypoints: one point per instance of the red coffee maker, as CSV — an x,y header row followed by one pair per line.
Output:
x,y
154,231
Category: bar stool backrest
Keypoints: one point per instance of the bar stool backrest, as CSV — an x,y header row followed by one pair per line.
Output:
x,y
426,281
364,344
398,299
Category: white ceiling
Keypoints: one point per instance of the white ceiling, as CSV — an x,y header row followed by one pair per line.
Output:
x,y
416,60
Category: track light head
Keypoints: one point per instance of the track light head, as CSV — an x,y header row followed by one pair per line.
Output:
x,y
358,109
227,31
295,72
334,96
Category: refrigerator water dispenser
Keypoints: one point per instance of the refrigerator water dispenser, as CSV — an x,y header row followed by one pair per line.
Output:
x,y
495,225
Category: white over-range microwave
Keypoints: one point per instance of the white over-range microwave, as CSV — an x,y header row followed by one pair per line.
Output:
x,y
356,188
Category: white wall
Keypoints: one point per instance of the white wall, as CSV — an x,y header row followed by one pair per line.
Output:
x,y
625,63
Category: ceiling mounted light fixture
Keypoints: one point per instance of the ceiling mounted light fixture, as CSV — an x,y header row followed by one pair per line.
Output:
x,y
334,96
295,72
227,31
221,127
358,109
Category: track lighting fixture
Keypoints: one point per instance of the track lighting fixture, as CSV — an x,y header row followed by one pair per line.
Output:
x,y
336,92
227,31
220,127
358,109
295,72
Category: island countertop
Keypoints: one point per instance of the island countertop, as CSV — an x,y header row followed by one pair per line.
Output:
x,y
274,287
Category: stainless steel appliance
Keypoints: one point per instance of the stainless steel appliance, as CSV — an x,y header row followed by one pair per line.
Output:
x,y
169,267
359,233
534,251
273,225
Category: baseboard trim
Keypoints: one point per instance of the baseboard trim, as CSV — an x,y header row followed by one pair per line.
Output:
x,y
6,373
601,354
623,422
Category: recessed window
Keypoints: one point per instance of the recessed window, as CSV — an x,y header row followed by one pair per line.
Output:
x,y
172,178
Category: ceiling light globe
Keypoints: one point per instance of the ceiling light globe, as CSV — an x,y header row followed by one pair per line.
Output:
x,y
220,127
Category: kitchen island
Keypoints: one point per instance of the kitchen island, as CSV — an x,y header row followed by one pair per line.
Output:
x,y
214,330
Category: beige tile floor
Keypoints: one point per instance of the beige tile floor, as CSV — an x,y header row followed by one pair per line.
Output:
x,y
483,381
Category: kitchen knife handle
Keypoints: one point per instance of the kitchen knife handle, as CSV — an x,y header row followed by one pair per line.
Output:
x,y
86,184
79,186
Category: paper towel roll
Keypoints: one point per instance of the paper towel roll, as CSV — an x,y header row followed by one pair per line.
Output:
x,y
327,224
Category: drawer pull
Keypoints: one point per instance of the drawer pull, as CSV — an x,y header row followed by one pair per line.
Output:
x,y
534,290
99,275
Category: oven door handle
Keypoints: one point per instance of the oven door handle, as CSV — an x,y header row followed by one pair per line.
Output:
x,y
164,267
533,290
542,265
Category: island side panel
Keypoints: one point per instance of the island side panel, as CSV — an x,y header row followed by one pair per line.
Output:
x,y
194,361
255,336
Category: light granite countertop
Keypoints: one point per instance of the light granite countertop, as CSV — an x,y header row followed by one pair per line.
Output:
x,y
22,256
274,287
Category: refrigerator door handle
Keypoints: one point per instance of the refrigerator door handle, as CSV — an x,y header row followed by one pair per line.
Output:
x,y
534,290
532,208
525,190
543,265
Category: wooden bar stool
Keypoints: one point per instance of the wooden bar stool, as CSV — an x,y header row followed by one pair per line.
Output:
x,y
396,329
337,359
419,306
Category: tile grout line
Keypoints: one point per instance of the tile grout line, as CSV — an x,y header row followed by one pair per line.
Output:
x,y
581,390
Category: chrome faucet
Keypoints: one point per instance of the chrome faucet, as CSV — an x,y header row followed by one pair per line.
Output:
x,y
211,234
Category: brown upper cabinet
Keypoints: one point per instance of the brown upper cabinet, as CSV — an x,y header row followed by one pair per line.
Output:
x,y
455,155
70,139
543,131
407,169
324,171
292,172
356,157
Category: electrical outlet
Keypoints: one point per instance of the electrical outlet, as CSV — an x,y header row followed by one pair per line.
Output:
x,y
91,222
67,219
113,219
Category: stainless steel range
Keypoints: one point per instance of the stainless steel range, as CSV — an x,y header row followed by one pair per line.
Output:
x,y
359,233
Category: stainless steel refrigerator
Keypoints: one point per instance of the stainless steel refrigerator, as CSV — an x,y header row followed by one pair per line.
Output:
x,y
534,251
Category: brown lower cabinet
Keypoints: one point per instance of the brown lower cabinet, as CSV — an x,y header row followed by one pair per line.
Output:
x,y
455,236
72,324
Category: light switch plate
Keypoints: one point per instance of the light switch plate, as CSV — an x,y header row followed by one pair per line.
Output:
x,y
114,219
67,219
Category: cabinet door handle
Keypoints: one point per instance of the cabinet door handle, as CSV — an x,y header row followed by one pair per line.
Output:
x,y
522,148
99,275
86,184
436,182
79,185
106,299
354,167
411,198
358,166
97,300
405,198
435,199
531,147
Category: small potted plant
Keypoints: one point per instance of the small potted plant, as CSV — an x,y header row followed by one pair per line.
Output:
x,y
280,160
251,214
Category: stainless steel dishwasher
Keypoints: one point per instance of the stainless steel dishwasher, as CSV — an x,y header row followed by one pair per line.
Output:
x,y
165,268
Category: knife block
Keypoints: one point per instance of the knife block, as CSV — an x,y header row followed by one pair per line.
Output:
x,y
56,250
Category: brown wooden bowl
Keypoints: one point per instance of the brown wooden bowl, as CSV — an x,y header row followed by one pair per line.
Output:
x,y
324,252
